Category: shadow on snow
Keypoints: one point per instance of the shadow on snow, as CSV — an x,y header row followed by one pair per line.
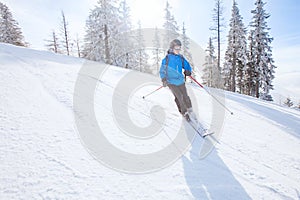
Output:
x,y
210,178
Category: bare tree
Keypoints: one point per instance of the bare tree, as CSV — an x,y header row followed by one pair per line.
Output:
x,y
78,46
53,44
65,33
217,27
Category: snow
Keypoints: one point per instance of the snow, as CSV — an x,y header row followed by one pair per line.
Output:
x,y
43,154
287,85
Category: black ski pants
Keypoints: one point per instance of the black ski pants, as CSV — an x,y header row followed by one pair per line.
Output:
x,y
182,99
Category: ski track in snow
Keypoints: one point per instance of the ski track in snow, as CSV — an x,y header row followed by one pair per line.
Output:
x,y
42,157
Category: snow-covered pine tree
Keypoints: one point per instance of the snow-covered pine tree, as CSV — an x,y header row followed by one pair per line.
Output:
x,y
65,33
125,20
170,25
157,52
236,53
262,59
53,44
288,102
101,29
251,72
10,32
93,48
124,45
186,47
211,74
218,27
142,55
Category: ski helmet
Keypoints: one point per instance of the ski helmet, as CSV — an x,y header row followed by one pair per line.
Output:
x,y
174,43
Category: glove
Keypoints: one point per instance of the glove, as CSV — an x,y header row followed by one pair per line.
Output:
x,y
187,73
164,82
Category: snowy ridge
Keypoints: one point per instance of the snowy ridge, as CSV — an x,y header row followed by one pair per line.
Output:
x,y
42,156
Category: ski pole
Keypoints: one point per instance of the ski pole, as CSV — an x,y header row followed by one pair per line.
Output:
x,y
153,92
211,94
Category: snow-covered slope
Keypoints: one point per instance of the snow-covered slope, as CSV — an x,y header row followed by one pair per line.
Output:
x,y
43,154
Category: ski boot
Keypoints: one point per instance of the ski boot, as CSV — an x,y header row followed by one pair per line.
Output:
x,y
191,113
186,116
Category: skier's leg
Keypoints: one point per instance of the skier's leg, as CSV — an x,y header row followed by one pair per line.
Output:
x,y
178,98
187,101
186,98
178,104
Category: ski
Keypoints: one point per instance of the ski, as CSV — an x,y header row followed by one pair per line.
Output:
x,y
204,133
197,126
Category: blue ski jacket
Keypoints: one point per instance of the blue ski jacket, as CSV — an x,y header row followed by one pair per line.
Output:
x,y
173,72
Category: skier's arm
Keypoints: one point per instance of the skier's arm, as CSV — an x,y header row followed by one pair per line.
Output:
x,y
187,68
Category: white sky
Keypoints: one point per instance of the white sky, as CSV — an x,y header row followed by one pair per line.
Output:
x,y
38,18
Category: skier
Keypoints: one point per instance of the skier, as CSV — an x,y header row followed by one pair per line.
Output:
x,y
171,76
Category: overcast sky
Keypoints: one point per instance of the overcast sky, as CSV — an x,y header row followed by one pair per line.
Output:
x,y
37,19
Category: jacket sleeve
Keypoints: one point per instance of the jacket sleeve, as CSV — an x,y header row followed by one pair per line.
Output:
x,y
187,65
162,71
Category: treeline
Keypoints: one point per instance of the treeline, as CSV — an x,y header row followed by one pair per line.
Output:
x,y
109,37
248,66
112,38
